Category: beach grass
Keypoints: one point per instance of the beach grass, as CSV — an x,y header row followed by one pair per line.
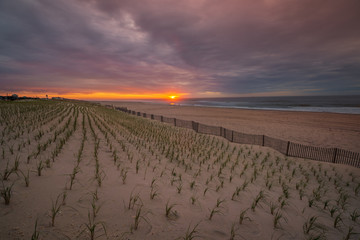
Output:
x,y
115,173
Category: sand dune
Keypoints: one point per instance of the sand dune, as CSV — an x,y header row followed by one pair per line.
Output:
x,y
316,129
136,178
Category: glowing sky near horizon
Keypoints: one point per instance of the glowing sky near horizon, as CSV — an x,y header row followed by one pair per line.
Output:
x,y
112,49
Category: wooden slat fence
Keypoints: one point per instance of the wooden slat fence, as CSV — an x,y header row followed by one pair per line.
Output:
x,y
310,152
168,120
157,118
277,144
228,134
213,130
288,148
347,157
184,123
244,138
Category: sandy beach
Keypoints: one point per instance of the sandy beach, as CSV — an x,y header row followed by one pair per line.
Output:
x,y
82,171
220,142
310,128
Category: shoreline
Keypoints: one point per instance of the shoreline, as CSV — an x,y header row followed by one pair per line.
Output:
x,y
330,104
268,109
172,104
320,129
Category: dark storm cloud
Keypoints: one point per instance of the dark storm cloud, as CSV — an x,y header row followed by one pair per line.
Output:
x,y
234,47
65,44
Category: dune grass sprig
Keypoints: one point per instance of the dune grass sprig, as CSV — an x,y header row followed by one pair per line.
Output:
x,y
95,208
169,212
257,199
243,216
179,188
333,210
139,215
349,233
55,209
193,200
7,172
26,177
233,231
273,207
133,199
192,185
91,226
16,163
312,225
236,193
277,217
39,167
337,221
191,233
6,193
36,233
153,193
357,189
217,208
205,190
123,175
354,215
72,175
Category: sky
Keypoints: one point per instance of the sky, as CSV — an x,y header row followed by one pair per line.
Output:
x,y
114,49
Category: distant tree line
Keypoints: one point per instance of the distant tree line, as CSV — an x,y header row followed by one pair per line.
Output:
x,y
16,97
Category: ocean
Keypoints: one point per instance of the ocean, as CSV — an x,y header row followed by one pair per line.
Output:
x,y
334,104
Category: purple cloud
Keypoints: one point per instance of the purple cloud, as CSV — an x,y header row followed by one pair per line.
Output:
x,y
232,47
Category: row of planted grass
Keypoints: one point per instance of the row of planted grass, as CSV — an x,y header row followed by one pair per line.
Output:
x,y
199,168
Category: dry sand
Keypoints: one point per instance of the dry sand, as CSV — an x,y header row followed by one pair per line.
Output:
x,y
310,128
216,168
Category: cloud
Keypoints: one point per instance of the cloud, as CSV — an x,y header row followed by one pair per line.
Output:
x,y
232,47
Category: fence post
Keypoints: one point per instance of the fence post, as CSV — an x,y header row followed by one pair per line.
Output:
x,y
152,116
224,132
287,148
232,135
263,143
195,126
335,152
161,119
174,121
